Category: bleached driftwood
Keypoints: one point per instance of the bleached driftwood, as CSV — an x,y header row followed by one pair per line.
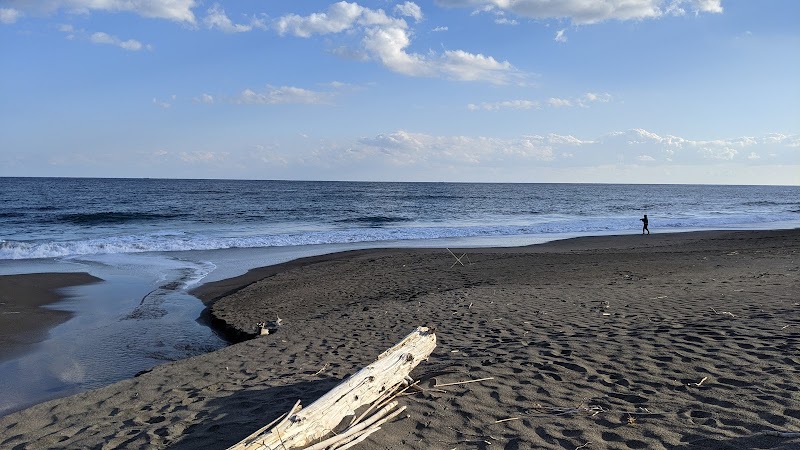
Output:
x,y
372,387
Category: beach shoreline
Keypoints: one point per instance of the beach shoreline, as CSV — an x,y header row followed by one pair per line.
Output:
x,y
23,319
677,340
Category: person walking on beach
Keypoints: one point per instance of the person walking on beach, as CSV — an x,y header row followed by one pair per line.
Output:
x,y
644,224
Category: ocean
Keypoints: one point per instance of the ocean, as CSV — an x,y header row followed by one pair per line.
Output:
x,y
72,217
152,240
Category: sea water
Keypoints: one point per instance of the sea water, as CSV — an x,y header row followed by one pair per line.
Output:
x,y
64,217
153,240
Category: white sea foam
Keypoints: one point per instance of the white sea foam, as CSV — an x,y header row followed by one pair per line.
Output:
x,y
173,241
52,218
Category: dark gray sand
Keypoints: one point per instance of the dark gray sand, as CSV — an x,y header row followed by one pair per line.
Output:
x,y
687,340
23,321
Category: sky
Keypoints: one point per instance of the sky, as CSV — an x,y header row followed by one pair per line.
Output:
x,y
607,91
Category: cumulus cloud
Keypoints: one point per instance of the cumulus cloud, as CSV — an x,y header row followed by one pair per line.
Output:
x,y
409,9
670,148
217,19
409,150
403,148
9,15
340,16
590,12
560,36
175,10
468,149
386,39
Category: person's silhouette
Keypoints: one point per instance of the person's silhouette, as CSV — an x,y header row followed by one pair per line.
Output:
x,y
644,224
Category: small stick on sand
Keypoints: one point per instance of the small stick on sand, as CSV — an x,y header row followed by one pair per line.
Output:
x,y
698,384
322,370
508,420
724,313
463,382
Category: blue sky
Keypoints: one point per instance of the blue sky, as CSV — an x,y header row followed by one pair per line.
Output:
x,y
635,91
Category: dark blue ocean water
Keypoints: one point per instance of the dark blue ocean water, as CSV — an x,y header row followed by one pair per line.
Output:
x,y
153,240
56,217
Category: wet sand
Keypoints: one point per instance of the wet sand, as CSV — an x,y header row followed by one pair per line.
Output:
x,y
683,340
23,321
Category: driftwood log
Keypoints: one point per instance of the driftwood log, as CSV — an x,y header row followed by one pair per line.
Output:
x,y
365,398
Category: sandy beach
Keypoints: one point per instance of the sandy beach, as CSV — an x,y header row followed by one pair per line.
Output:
x,y
679,341
23,321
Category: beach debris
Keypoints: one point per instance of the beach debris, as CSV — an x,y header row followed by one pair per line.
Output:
x,y
724,313
459,258
268,327
437,385
510,419
322,369
322,425
698,384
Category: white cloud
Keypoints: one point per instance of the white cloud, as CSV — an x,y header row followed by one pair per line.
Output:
x,y
503,20
282,95
583,101
409,9
438,29
422,151
557,139
279,95
591,97
176,10
461,65
589,12
9,15
560,36
99,37
559,102
509,104
216,18
554,102
340,16
103,38
402,148
203,157
161,104
673,149
387,39
208,99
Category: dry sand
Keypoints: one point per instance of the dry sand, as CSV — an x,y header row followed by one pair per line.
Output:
x,y
687,340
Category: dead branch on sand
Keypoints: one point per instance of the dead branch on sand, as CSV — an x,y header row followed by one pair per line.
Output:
x,y
374,387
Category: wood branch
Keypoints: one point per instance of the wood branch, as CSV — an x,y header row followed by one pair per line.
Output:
x,y
370,386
